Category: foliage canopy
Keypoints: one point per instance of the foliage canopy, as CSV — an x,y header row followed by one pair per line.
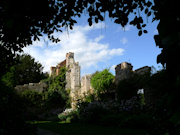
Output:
x,y
22,22
24,71
56,87
102,80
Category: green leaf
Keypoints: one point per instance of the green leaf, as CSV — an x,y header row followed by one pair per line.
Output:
x,y
140,33
146,11
90,21
96,20
149,13
144,25
145,31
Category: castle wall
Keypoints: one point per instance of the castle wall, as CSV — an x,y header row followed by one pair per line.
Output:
x,y
54,71
39,87
72,77
123,71
142,70
85,85
73,72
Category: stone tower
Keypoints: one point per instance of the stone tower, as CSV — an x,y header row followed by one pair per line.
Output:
x,y
72,76
123,71
73,72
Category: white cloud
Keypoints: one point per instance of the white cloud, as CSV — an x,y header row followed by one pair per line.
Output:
x,y
118,51
124,40
98,38
88,51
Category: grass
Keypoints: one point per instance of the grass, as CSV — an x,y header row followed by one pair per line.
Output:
x,y
67,128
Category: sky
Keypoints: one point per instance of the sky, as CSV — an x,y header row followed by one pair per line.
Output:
x,y
103,45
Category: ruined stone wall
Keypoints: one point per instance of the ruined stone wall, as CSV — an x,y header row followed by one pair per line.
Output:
x,y
72,77
73,72
54,71
39,87
123,71
142,70
86,87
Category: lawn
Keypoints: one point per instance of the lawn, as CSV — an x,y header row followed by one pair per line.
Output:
x,y
66,128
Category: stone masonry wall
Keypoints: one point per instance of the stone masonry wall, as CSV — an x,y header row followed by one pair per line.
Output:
x,y
72,77
54,71
123,71
142,70
86,87
39,87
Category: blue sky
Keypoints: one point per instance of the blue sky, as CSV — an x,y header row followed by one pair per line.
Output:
x,y
104,45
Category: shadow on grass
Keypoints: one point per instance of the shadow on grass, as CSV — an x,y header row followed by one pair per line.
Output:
x,y
65,128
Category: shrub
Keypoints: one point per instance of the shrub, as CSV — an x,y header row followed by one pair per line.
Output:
x,y
92,112
109,113
68,115
132,106
50,115
63,117
32,98
56,91
90,98
125,90
101,81
12,109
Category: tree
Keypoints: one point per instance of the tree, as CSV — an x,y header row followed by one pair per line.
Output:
x,y
168,38
56,90
26,70
102,80
58,83
22,22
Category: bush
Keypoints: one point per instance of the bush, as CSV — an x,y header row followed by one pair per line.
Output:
x,y
126,89
50,115
32,98
109,113
56,91
89,98
69,115
92,112
101,81
12,110
63,117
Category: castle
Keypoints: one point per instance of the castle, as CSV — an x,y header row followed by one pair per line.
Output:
x,y
80,87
